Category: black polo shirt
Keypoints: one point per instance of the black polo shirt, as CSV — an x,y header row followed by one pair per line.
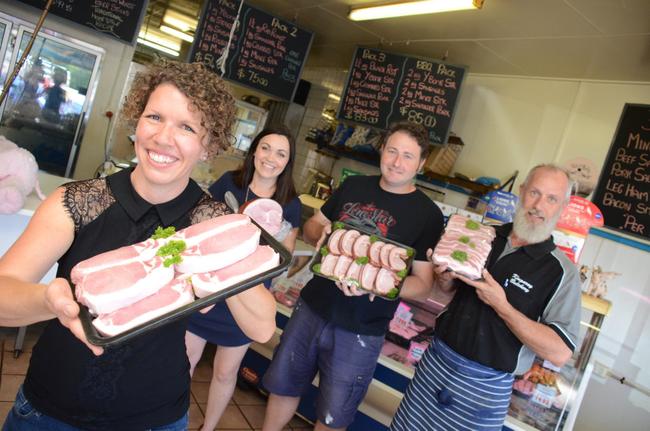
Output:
x,y
539,281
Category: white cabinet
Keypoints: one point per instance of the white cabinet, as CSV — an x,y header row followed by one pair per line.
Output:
x,y
13,225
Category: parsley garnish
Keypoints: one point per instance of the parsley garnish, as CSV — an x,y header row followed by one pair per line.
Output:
x,y
172,251
459,255
362,260
392,293
161,233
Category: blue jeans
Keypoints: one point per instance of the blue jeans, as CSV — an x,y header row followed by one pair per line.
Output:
x,y
344,360
24,417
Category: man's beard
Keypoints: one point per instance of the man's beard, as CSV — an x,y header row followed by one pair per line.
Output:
x,y
530,232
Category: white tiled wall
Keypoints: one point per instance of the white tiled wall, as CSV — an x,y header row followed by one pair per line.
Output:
x,y
324,81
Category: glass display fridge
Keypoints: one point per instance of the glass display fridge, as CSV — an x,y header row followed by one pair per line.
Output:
x,y
47,104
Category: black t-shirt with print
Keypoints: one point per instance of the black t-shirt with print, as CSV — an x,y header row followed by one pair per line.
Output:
x,y
411,219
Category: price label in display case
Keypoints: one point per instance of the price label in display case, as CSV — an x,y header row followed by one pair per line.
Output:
x,y
544,395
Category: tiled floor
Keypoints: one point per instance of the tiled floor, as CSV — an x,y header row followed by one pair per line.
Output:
x,y
245,411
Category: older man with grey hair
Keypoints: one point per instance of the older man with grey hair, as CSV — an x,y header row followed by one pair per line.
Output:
x,y
526,304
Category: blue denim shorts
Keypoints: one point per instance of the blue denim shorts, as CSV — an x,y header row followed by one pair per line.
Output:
x,y
344,360
24,417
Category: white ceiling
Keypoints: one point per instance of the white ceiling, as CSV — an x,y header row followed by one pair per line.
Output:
x,y
580,39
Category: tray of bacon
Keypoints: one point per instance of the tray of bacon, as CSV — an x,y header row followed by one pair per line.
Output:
x,y
134,289
464,246
374,263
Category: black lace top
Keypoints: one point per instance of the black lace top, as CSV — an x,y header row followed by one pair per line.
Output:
x,y
144,382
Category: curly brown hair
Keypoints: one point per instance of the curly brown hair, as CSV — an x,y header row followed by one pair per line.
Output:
x,y
206,90
415,131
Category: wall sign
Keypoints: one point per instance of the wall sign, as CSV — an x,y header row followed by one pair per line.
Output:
x,y
118,18
267,53
383,88
623,190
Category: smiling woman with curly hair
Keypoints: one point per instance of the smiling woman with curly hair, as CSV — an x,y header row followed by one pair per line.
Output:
x,y
181,113
207,95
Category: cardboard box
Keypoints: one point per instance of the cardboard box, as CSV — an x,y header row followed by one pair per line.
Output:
x,y
442,158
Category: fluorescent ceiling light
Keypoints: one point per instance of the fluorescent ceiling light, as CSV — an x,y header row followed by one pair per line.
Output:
x,y
334,97
155,36
179,20
158,47
176,33
411,8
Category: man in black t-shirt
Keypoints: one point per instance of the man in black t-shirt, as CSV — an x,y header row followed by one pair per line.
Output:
x,y
337,330
526,304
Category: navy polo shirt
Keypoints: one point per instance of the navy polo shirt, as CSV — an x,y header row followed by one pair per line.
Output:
x,y
539,281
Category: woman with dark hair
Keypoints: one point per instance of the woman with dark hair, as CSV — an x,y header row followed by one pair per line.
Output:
x,y
282,185
265,173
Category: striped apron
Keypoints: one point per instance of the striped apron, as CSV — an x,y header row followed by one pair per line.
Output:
x,y
450,392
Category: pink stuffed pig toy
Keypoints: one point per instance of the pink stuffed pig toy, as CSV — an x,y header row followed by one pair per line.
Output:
x,y
18,176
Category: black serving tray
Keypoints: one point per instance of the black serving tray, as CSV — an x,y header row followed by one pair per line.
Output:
x,y
94,337
394,294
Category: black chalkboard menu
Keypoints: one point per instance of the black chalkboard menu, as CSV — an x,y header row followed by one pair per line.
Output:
x,y
383,88
623,190
267,53
118,18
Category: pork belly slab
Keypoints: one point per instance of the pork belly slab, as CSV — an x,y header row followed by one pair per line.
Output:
x,y
173,295
464,246
263,259
139,252
113,287
198,232
218,251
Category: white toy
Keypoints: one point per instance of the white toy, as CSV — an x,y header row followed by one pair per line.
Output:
x,y
585,173
598,281
18,176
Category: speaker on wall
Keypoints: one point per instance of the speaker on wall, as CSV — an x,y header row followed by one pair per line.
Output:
x,y
302,91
